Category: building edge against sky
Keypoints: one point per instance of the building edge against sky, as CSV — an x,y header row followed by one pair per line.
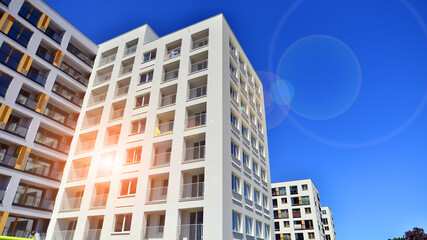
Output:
x,y
45,65
171,142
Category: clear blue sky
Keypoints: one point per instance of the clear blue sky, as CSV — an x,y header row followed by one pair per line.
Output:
x,y
346,88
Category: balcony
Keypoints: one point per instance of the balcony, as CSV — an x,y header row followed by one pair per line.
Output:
x,y
60,116
71,204
117,113
112,139
80,55
33,202
126,69
67,94
92,121
26,101
36,76
99,79
52,140
78,173
107,59
99,200
199,43
122,90
2,194
157,194
93,234
47,55
63,235
16,129
153,232
197,92
66,68
85,146
199,66
54,34
161,159
196,120
164,128
167,100
170,75
129,50
194,153
190,231
98,96
175,52
8,159
192,191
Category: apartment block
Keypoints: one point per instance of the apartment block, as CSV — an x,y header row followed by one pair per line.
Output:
x,y
45,65
171,142
328,223
297,211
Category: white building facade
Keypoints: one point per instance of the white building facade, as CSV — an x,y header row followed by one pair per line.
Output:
x,y
297,211
328,223
171,142
45,65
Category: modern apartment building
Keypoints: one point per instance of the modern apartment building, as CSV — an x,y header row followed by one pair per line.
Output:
x,y
328,223
171,142
45,65
297,211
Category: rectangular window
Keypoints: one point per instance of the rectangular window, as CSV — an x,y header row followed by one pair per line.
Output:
x,y
30,13
146,77
5,81
142,101
263,175
247,190
128,187
133,155
245,159
151,55
138,126
311,235
308,210
274,203
20,33
261,149
234,150
284,200
245,132
257,195
258,229
235,183
255,167
122,222
253,141
264,201
236,219
10,56
266,231
234,120
248,225
286,224
304,187
233,93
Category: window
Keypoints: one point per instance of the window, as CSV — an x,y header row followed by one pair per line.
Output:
x,y
326,228
304,187
142,101
284,200
234,150
128,187
233,93
243,107
264,201
151,55
274,203
245,132
247,190
311,235
236,219
248,225
232,47
255,167
10,56
286,224
258,229
133,155
245,159
278,191
146,77
263,176
235,183
138,126
234,120
261,149
277,227
294,190
257,195
328,237
30,13
266,231
308,210
20,33
122,222
5,81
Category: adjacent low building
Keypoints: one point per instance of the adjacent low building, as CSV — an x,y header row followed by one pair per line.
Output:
x,y
297,211
45,65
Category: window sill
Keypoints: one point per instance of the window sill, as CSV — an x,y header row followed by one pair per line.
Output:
x,y
126,196
120,233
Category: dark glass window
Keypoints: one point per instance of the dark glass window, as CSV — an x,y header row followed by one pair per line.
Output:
x,y
30,13
5,81
20,33
5,2
10,56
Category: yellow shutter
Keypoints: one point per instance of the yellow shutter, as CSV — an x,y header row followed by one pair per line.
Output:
x,y
23,153
25,64
6,22
280,213
59,56
43,22
5,112
3,220
42,103
300,200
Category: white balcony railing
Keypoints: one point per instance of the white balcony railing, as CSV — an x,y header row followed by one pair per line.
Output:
x,y
99,200
164,128
63,235
78,173
161,159
129,51
118,113
197,92
122,90
173,53
194,153
200,43
112,139
153,232
192,190
157,194
191,232
168,100
98,98
70,204
83,146
199,66
126,69
93,234
170,75
102,78
92,121
107,59
196,120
